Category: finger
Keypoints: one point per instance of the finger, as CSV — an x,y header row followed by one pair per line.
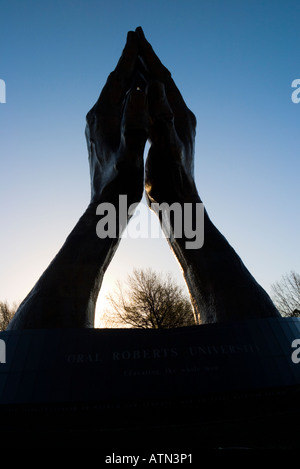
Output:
x,y
142,68
151,61
184,118
157,70
127,61
120,80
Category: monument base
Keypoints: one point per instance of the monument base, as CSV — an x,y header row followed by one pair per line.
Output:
x,y
210,386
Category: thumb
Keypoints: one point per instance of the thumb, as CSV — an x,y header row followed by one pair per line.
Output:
x,y
161,114
135,123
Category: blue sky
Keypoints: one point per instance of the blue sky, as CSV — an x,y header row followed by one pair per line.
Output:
x,y
234,62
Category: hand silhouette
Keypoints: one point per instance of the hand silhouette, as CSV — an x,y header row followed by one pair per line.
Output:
x,y
169,171
117,130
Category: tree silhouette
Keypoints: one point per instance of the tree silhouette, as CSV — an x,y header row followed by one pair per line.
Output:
x,y
6,314
149,300
286,294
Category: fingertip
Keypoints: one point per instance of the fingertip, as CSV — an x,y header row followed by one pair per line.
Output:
x,y
131,37
141,37
140,32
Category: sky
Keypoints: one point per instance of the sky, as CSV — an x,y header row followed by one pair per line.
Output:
x,y
234,63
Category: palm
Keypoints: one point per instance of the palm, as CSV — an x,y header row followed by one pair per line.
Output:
x,y
169,175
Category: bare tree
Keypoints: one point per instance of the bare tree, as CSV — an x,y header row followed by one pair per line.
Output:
x,y
286,294
6,314
149,300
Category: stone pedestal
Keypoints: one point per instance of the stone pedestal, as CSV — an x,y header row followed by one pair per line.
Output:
x,y
209,386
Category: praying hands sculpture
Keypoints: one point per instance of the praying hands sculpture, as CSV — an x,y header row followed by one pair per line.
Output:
x,y
140,101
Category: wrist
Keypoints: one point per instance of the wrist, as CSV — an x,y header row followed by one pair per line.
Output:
x,y
182,222
126,180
